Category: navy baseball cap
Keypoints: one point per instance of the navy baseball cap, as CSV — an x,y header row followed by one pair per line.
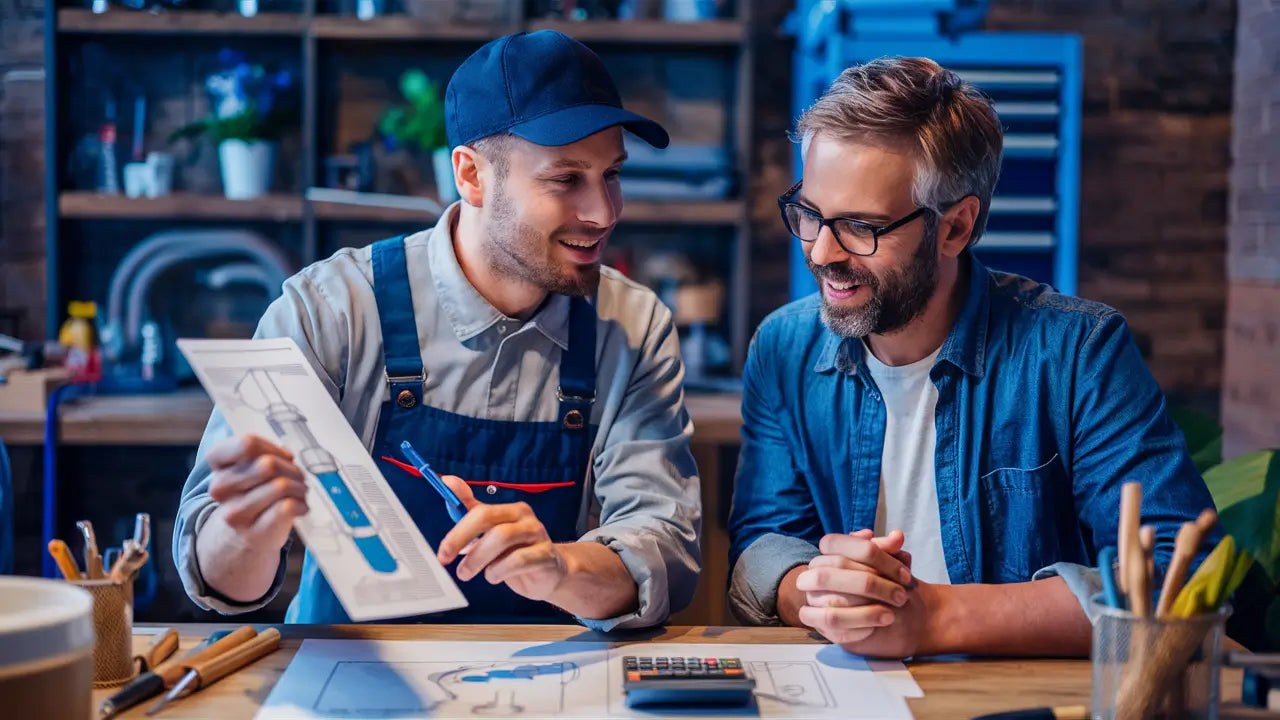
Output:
x,y
543,86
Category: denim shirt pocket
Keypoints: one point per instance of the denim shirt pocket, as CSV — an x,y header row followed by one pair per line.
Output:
x,y
1019,525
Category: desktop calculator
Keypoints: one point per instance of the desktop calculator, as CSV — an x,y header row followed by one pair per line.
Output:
x,y
685,681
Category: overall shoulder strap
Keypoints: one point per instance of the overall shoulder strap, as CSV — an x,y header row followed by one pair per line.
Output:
x,y
577,390
400,349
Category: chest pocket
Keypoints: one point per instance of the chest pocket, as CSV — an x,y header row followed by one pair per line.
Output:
x,y
1020,533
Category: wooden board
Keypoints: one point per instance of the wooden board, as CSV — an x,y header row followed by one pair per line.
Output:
x,y
400,27
121,20
657,32
91,205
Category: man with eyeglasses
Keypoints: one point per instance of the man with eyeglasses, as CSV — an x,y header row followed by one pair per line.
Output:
x,y
933,451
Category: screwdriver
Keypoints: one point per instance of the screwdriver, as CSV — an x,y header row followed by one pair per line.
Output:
x,y
205,671
167,673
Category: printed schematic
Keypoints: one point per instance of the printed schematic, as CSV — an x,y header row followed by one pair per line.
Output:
x,y
371,552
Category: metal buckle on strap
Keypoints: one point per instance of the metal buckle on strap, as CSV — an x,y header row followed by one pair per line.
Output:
x,y
391,379
561,395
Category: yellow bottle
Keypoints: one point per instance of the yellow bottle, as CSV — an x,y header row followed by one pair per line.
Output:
x,y
79,334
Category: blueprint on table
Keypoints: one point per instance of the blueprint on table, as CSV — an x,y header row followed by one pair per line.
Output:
x,y
435,679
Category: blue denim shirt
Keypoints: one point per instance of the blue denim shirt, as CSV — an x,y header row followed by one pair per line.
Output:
x,y
1045,408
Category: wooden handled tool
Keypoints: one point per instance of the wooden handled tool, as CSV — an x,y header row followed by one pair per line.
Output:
x,y
92,558
172,670
1147,539
217,667
1208,518
158,650
167,674
1184,551
66,562
1130,518
1139,581
206,669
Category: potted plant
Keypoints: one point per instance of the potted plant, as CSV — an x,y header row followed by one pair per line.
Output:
x,y
418,127
1246,493
252,108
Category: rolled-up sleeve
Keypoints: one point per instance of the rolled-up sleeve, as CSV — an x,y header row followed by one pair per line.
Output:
x,y
773,525
647,485
302,314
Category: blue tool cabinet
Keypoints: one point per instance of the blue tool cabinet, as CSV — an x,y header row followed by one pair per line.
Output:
x,y
1035,82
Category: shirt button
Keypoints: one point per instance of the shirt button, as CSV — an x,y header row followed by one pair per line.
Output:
x,y
502,328
491,489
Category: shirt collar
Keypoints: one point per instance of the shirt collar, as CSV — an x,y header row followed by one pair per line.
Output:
x,y
965,346
468,312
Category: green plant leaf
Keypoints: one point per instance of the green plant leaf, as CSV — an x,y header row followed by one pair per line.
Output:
x,y
1246,492
414,84
1208,456
1201,431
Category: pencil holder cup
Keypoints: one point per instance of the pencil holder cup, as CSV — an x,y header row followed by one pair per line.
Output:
x,y
113,629
1149,668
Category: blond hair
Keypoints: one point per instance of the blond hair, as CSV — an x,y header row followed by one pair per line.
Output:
x,y
949,121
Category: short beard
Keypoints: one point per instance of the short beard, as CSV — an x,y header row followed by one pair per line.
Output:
x,y
522,253
896,299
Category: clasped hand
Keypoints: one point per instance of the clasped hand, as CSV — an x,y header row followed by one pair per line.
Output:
x,y
861,595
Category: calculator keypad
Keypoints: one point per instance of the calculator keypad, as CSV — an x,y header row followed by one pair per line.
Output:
x,y
648,668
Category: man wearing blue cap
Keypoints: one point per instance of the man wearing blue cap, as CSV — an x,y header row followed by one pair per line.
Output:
x,y
548,389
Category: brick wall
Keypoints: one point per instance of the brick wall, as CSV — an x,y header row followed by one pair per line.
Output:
x,y
21,169
1156,133
1251,382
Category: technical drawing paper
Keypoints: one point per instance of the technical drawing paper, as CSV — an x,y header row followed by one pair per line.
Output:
x,y
368,547
429,679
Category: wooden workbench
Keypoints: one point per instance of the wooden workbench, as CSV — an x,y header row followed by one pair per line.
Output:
x,y
952,688
179,418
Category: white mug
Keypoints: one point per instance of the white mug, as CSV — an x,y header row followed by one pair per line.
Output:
x,y
137,180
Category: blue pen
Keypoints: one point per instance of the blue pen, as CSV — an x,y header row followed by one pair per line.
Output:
x,y
1106,559
451,501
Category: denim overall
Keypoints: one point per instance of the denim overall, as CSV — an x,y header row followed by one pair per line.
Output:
x,y
541,463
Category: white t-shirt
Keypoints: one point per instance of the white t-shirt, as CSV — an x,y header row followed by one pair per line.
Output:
x,y
908,495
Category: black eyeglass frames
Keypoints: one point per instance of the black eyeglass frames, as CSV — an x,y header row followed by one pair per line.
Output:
x,y
855,236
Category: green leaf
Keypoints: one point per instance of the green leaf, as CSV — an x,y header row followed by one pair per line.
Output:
x,y
1208,456
1246,492
1202,432
414,84
1243,563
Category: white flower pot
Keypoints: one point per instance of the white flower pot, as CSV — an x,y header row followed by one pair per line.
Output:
x,y
247,167
442,164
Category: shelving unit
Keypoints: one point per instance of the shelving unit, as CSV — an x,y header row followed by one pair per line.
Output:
x,y
313,38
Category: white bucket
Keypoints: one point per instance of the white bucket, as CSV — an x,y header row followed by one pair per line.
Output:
x,y
46,649
247,167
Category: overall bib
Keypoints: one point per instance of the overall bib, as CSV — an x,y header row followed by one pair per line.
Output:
x,y
541,463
